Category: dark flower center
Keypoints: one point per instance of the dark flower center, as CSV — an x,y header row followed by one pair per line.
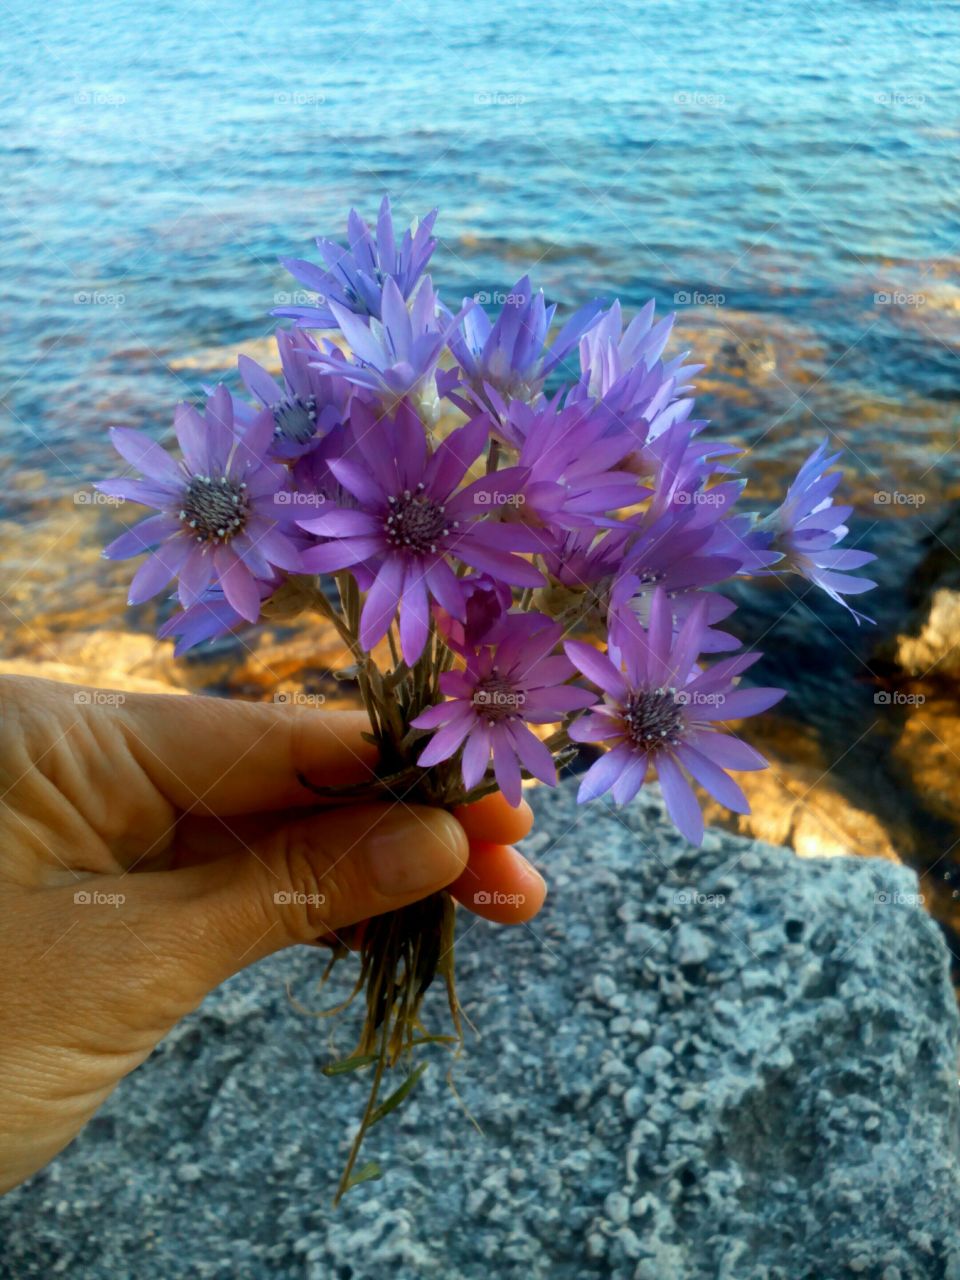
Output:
x,y
498,699
296,419
653,719
415,522
215,509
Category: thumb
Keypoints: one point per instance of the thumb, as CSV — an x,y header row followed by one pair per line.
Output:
x,y
313,876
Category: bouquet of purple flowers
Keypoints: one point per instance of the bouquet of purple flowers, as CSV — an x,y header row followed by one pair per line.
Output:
x,y
478,500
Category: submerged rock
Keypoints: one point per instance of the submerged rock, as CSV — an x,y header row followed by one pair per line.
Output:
x,y
695,1063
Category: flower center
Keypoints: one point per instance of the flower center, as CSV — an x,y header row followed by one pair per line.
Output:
x,y
215,509
415,522
653,719
296,419
498,699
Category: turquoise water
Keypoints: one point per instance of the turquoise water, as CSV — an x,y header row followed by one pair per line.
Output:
x,y
769,167
785,175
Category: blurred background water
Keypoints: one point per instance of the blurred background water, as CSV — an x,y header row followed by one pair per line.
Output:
x,y
785,177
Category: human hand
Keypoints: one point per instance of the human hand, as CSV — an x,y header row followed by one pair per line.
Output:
x,y
150,846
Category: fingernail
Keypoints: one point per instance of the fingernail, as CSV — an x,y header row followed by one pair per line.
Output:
x,y
415,850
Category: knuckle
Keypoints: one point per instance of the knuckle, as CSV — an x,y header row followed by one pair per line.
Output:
x,y
307,894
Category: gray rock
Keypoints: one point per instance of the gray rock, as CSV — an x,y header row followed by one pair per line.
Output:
x,y
688,1095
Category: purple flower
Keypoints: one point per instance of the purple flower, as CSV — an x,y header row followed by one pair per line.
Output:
x,y
660,710
397,355
306,407
502,689
509,358
806,528
354,278
487,603
411,519
217,519
212,616
623,371
673,555
570,464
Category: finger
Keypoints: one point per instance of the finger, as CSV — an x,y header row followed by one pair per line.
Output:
x,y
500,885
213,756
314,876
493,821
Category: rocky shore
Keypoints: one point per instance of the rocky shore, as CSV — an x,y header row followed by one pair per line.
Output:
x,y
730,1062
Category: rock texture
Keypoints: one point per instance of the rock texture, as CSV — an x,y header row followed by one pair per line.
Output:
x,y
725,1063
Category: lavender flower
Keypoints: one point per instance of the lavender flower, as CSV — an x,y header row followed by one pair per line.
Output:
x,y
509,357
210,617
502,689
354,277
411,520
217,520
806,528
397,355
660,710
623,371
570,464
306,407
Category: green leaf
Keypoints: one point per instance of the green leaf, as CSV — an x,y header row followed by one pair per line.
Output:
x,y
397,1096
369,1173
349,1064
